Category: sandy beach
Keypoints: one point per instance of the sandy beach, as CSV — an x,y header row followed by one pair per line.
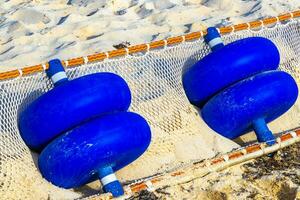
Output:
x,y
34,31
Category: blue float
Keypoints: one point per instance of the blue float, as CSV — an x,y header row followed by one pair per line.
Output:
x,y
83,130
95,149
237,86
250,104
226,65
71,103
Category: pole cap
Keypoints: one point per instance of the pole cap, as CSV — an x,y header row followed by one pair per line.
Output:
x,y
213,38
56,72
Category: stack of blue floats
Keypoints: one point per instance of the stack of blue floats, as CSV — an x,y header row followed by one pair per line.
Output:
x,y
83,130
238,87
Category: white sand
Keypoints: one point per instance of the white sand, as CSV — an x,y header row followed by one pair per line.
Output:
x,y
32,32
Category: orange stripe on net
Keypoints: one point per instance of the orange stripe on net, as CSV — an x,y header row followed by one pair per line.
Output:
x,y
157,44
286,137
138,187
286,16
143,186
271,20
298,132
216,161
193,36
253,148
296,13
96,57
235,155
255,24
240,27
174,40
137,48
226,30
9,74
75,62
117,53
32,69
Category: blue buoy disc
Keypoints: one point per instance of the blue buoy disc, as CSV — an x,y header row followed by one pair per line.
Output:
x,y
228,65
262,97
70,104
111,141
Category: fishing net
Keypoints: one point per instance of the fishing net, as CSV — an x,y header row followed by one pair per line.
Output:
x,y
178,134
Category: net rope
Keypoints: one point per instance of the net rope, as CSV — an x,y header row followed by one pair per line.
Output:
x,y
154,77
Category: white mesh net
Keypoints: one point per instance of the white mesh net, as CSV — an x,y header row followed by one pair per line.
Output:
x,y
179,134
